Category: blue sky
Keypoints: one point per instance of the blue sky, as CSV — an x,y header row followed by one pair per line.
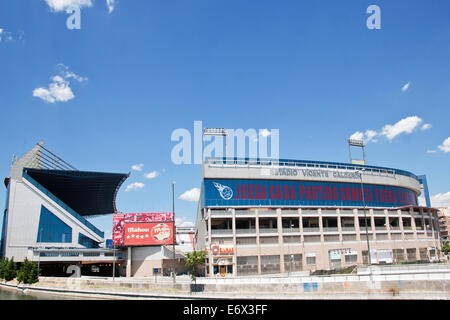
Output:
x,y
109,95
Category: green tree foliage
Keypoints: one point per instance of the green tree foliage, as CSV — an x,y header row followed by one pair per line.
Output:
x,y
7,269
195,259
446,247
28,272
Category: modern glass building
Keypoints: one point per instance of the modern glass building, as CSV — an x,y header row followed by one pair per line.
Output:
x,y
47,204
262,216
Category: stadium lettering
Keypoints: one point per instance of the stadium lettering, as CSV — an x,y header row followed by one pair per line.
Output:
x,y
251,191
319,192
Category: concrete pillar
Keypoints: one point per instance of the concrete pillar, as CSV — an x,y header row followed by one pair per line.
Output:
x,y
210,258
302,238
280,239
128,273
258,248
233,227
339,226
372,230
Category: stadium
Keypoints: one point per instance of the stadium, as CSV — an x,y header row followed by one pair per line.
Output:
x,y
48,202
260,216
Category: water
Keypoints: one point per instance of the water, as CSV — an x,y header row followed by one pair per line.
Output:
x,y
14,294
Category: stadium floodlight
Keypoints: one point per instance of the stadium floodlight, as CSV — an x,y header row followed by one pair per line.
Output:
x,y
356,143
214,132
360,144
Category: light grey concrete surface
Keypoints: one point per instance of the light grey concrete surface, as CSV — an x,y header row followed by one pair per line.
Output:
x,y
336,287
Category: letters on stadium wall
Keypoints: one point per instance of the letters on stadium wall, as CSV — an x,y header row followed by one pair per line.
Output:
x,y
230,192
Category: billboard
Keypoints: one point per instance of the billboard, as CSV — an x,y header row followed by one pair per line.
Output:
x,y
235,192
148,233
120,219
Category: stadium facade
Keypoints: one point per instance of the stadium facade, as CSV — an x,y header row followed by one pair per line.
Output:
x,y
47,204
263,217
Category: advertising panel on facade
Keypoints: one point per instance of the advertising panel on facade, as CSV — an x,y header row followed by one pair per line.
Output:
x,y
233,192
120,219
148,233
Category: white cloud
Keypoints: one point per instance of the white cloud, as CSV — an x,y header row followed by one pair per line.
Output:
x,y
137,167
264,133
406,125
62,5
445,146
183,222
431,151
357,136
371,134
66,73
440,200
191,195
6,36
58,91
151,175
111,4
421,201
367,136
406,86
134,186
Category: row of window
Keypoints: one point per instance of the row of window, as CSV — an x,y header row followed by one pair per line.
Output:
x,y
327,222
52,229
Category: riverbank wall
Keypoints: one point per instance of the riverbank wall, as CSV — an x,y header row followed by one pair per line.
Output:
x,y
419,283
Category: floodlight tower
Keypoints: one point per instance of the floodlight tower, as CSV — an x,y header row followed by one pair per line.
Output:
x,y
359,144
214,132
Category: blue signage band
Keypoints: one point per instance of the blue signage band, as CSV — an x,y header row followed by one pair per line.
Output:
x,y
275,193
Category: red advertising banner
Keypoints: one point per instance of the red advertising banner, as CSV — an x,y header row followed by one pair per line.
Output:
x,y
117,229
120,219
149,233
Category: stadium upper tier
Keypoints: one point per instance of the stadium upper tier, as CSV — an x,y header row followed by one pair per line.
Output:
x,y
88,193
240,172
311,164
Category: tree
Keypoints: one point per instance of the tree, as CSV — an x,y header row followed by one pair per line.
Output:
x,y
3,263
446,248
28,272
7,269
195,259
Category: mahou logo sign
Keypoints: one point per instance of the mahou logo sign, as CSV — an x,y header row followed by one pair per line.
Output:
x,y
157,233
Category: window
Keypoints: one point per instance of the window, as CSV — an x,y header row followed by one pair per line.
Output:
x,y
246,240
310,261
351,258
268,240
247,265
52,229
270,264
292,262
87,242
91,254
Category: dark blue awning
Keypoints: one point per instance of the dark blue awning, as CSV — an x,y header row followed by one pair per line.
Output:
x,y
87,193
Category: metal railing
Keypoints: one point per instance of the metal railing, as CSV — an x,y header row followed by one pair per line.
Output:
x,y
221,231
330,229
311,229
268,230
